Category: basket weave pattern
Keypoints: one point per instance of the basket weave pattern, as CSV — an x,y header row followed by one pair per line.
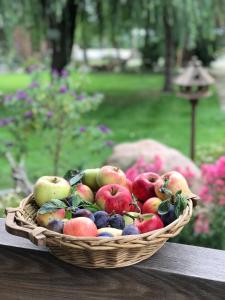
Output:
x,y
93,252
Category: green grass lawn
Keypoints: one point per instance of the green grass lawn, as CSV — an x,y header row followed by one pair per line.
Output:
x,y
134,108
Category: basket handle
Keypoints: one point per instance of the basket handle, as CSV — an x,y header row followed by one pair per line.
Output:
x,y
36,235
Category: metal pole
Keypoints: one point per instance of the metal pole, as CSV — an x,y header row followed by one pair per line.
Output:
x,y
194,103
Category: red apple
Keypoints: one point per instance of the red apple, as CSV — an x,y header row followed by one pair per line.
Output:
x,y
110,175
151,206
45,219
114,198
84,192
144,185
175,182
80,226
148,223
133,208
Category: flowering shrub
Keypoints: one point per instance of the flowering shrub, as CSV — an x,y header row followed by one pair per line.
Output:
x,y
53,107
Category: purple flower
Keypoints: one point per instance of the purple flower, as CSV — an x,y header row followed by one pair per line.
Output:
x,y
21,95
55,73
63,89
64,73
5,122
109,143
30,101
28,114
80,97
104,129
8,98
33,85
49,114
82,129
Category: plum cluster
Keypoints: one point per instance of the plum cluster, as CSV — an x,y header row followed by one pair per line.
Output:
x,y
114,206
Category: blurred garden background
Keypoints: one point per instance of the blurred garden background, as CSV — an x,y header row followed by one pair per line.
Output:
x,y
85,82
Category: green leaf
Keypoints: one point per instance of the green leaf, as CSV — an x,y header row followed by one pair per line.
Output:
x,y
68,214
71,173
51,206
73,176
164,207
76,200
93,207
180,204
76,179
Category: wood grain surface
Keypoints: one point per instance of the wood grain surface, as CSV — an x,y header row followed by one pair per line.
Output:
x,y
174,272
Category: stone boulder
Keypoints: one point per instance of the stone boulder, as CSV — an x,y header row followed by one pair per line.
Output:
x,y
126,154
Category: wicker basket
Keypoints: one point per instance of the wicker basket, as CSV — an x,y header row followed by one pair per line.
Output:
x,y
96,252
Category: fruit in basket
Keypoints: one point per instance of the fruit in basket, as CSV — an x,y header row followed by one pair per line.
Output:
x,y
130,230
149,222
50,187
105,234
151,205
101,219
82,212
114,198
130,217
45,219
110,175
116,221
172,181
128,184
89,178
143,186
81,227
84,192
56,225
134,208
168,217
113,231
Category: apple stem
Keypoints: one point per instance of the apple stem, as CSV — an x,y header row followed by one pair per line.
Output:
x,y
55,180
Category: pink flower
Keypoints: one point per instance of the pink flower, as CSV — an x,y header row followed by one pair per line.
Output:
x,y
222,200
201,224
220,164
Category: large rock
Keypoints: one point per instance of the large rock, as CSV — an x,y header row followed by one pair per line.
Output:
x,y
126,154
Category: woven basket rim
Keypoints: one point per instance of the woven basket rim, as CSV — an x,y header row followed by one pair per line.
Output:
x,y
153,234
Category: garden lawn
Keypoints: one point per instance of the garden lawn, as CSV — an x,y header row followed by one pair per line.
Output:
x,y
134,108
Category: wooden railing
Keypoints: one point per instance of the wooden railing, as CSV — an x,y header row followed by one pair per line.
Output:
x,y
175,272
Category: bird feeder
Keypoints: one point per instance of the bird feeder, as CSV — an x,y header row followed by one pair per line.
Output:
x,y
194,84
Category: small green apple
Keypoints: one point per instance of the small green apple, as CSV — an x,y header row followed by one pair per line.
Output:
x,y
113,231
89,178
130,217
50,187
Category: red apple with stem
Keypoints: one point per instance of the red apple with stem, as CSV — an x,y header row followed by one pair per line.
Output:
x,y
148,222
110,175
144,186
114,198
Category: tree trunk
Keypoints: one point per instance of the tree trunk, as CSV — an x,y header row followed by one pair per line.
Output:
x,y
168,35
63,30
19,175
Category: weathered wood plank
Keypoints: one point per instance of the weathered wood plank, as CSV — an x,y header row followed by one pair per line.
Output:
x,y
174,272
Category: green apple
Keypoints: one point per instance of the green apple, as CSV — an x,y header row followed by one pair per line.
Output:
x,y
130,217
89,178
50,187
